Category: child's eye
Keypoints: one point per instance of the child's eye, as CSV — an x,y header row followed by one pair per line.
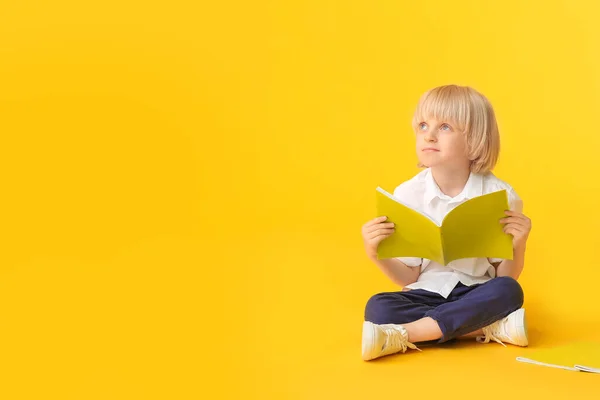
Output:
x,y
445,127
422,126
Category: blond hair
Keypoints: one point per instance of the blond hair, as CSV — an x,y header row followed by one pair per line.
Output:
x,y
472,114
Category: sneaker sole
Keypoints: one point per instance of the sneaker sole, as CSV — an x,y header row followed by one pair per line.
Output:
x,y
367,344
521,327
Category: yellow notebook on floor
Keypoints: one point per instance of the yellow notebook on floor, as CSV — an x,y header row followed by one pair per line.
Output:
x,y
579,356
471,230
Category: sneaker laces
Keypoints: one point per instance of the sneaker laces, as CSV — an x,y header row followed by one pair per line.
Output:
x,y
492,332
396,339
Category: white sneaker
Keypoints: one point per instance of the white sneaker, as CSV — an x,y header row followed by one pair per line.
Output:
x,y
383,340
512,329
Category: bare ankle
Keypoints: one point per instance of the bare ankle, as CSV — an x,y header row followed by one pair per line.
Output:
x,y
423,330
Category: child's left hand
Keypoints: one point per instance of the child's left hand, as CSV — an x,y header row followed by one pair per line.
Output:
x,y
517,225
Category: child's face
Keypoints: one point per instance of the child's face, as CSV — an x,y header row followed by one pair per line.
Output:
x,y
441,144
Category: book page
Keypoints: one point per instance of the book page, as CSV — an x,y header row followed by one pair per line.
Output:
x,y
416,234
473,229
582,356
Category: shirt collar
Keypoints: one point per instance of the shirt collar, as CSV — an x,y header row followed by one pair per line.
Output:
x,y
473,188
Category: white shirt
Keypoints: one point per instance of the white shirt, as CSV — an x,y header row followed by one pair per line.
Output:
x,y
423,194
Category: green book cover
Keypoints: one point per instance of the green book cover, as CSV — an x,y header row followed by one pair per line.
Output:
x,y
471,230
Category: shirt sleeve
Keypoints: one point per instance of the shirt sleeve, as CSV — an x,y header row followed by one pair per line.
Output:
x,y
411,261
515,204
401,191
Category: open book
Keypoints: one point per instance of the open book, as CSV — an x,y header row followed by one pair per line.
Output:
x,y
578,356
471,230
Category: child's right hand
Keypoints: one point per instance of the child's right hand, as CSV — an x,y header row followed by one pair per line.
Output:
x,y
373,232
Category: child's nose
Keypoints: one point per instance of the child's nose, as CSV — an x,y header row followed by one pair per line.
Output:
x,y
430,137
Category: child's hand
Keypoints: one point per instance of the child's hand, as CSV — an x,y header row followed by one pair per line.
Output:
x,y
373,232
517,225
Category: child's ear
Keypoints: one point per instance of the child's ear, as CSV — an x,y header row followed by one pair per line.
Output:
x,y
517,206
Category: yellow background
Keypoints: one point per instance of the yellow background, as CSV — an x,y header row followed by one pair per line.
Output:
x,y
183,185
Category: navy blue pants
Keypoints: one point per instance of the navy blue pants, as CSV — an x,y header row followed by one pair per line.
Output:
x,y
467,308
